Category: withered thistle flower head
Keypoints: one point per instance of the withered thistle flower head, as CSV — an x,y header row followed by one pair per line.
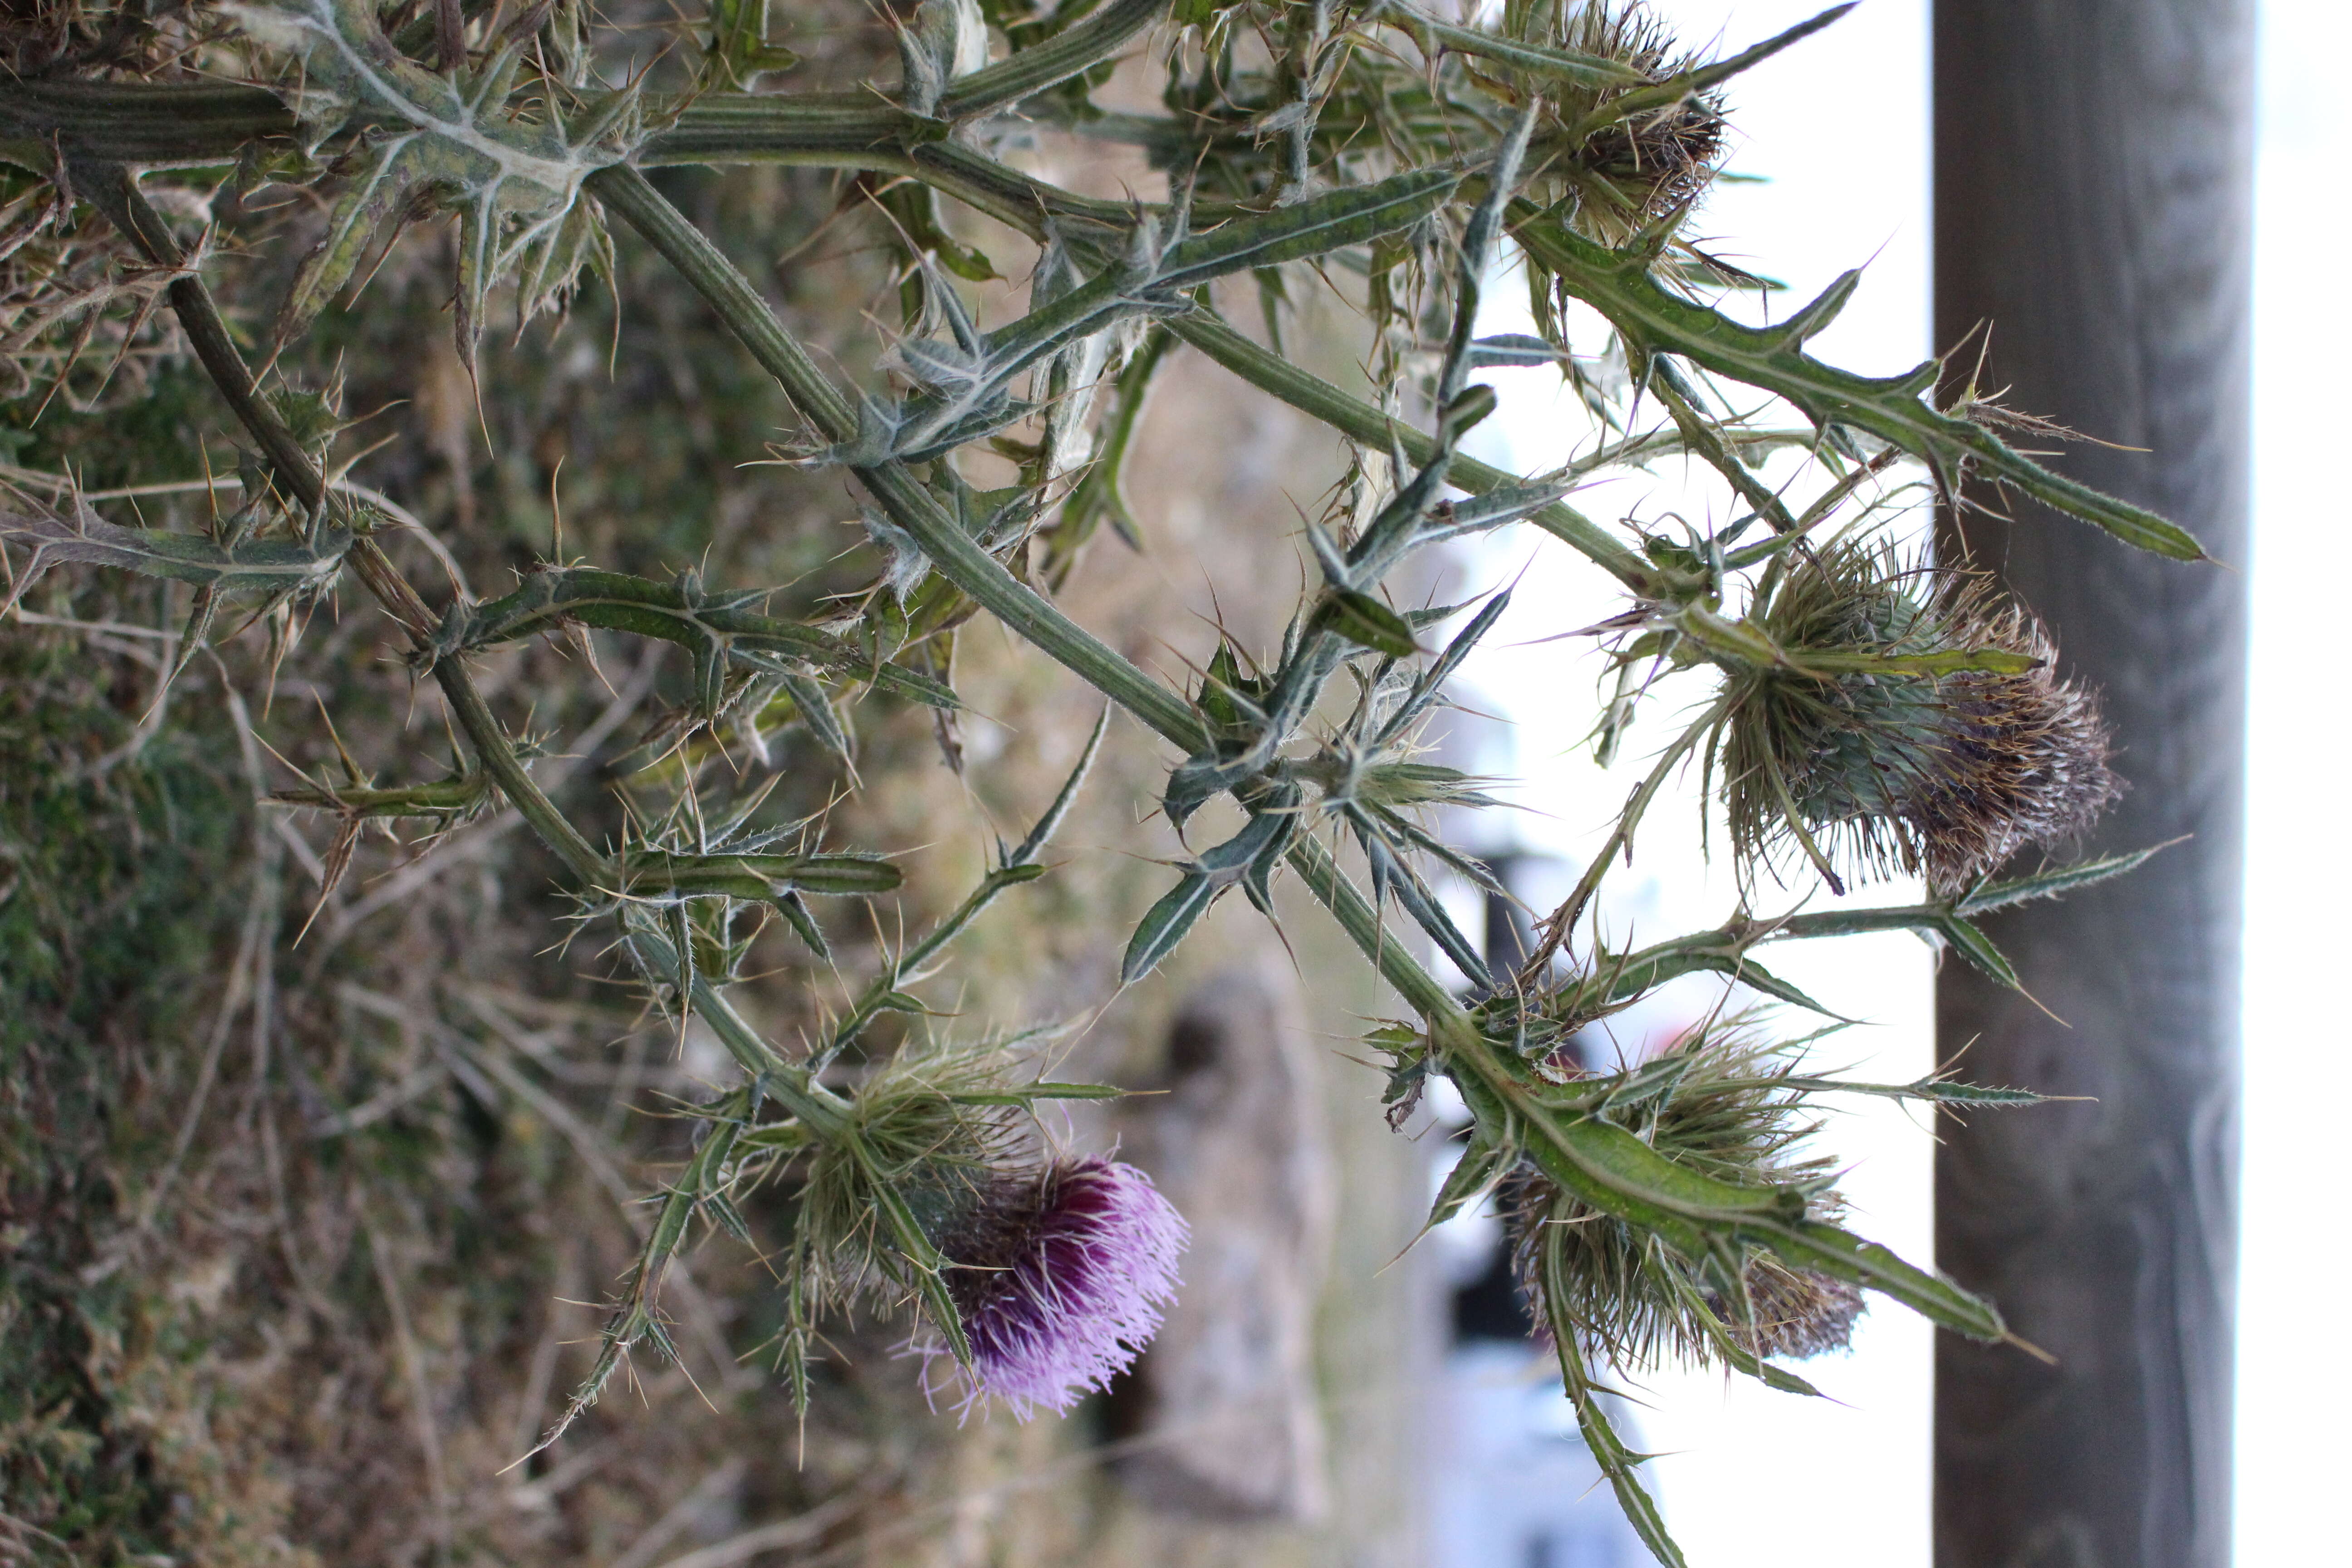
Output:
x,y
1059,1275
1791,1312
1629,172
1943,775
1383,108
1621,1293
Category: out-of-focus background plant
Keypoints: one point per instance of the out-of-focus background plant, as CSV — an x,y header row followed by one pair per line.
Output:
x,y
591,625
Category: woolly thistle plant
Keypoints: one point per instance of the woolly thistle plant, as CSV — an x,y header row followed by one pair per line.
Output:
x,y
1863,714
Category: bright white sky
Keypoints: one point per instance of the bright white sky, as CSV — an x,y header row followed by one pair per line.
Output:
x,y
1840,126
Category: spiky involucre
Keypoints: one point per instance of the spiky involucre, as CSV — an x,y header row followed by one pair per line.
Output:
x,y
1942,777
921,1134
1633,172
1655,163
1620,1292
1060,1276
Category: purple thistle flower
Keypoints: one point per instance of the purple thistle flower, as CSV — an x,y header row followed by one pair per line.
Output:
x,y
1059,1279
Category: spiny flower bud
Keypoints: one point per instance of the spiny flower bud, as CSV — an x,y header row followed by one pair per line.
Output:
x,y
1945,775
1059,1275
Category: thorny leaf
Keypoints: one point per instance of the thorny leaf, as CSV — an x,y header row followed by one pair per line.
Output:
x,y
1366,622
514,181
657,875
2053,883
1653,319
1485,1160
718,630
278,567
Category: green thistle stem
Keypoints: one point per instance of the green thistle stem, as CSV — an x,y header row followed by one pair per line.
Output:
x,y
957,558
154,127
522,792
881,995
1092,40
953,553
114,190
1360,422
1620,837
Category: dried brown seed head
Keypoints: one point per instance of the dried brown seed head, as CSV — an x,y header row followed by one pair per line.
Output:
x,y
1626,174
1941,775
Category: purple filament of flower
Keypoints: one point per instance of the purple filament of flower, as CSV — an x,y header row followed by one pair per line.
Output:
x,y
1061,1279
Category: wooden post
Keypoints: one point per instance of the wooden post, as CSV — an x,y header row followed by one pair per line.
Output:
x,y
2093,209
